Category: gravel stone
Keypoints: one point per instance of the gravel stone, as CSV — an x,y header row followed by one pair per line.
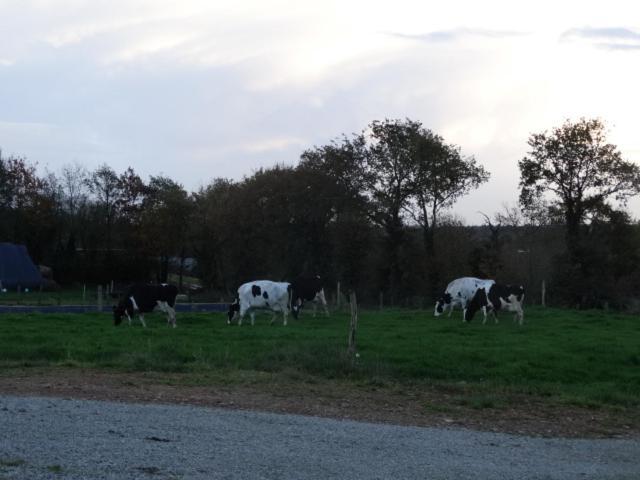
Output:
x,y
52,438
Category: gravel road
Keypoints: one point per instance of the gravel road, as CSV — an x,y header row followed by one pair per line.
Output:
x,y
76,439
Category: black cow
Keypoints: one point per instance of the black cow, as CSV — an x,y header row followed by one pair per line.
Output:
x,y
143,298
307,289
499,297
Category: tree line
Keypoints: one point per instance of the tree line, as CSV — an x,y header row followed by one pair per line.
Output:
x,y
372,210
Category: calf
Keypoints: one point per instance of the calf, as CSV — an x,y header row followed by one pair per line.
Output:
x,y
307,289
497,297
460,292
143,298
261,295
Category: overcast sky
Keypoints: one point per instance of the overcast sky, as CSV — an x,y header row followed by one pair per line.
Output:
x,y
197,89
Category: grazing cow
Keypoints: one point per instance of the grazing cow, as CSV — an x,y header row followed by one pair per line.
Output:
x,y
307,289
497,297
460,292
261,295
143,298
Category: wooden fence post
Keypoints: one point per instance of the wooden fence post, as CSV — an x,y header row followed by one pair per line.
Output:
x,y
353,324
99,298
338,296
544,293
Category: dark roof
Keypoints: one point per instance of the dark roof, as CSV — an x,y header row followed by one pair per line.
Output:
x,y
17,268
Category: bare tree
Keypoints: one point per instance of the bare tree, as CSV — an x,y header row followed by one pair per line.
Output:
x,y
104,184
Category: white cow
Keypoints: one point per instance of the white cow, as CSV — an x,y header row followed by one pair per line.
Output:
x,y
261,295
460,292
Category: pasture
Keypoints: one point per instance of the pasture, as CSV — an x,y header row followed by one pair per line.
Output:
x,y
583,358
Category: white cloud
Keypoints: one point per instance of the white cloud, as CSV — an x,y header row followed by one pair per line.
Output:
x,y
273,144
612,38
459,34
198,89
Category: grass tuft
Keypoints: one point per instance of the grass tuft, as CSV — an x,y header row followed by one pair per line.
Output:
x,y
11,462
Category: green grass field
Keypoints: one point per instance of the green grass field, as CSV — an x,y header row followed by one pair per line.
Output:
x,y
587,358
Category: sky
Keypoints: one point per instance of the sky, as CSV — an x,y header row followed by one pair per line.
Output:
x,y
200,89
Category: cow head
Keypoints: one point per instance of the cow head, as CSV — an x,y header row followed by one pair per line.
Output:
x,y
234,307
296,306
478,301
442,302
519,293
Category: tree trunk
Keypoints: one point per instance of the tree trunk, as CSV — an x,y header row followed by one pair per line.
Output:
x,y
181,269
573,239
394,242
164,268
432,269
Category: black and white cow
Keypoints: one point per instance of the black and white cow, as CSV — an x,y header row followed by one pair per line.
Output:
x,y
261,295
307,289
497,297
143,298
460,292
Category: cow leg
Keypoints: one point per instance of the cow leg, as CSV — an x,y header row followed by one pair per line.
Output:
x,y
135,308
162,306
235,315
253,318
323,301
242,313
171,313
134,305
519,316
493,314
284,317
128,317
172,316
273,317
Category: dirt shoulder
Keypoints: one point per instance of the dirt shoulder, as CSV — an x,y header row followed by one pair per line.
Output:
x,y
431,406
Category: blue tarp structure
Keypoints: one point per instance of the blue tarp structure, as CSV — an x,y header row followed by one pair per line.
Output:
x,y
17,268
